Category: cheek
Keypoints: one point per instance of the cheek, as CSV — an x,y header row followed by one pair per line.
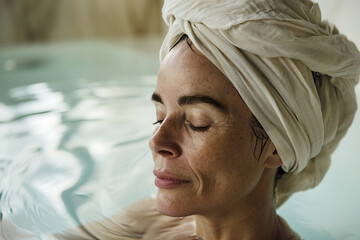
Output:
x,y
220,160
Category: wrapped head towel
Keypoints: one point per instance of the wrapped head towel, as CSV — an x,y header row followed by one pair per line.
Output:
x,y
269,49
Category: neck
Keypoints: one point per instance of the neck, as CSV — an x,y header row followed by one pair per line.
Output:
x,y
251,219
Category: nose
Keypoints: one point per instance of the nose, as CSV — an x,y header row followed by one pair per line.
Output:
x,y
165,140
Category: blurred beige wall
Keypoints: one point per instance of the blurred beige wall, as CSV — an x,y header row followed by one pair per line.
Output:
x,y
58,20
23,21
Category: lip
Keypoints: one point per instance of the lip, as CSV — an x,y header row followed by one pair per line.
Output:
x,y
166,180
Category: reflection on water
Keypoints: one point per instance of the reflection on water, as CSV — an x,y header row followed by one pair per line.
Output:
x,y
70,139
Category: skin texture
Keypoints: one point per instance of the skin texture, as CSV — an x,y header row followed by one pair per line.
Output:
x,y
229,191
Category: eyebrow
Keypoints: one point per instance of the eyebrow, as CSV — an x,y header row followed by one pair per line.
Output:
x,y
194,99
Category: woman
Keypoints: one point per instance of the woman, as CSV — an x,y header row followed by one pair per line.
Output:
x,y
271,61
246,90
208,160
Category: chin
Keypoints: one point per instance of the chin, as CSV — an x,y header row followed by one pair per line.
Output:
x,y
172,208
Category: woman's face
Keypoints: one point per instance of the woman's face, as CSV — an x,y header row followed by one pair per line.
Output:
x,y
202,149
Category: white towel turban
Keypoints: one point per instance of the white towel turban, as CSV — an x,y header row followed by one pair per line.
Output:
x,y
268,49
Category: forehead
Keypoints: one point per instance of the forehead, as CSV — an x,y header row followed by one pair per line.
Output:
x,y
186,72
189,70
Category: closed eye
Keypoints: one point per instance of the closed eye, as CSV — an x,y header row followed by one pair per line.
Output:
x,y
198,129
193,127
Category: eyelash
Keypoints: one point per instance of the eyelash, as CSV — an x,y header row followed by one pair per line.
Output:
x,y
194,128
158,122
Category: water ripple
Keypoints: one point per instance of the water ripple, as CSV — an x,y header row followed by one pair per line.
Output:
x,y
68,143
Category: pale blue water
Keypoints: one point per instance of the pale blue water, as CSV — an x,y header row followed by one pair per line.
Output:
x,y
74,124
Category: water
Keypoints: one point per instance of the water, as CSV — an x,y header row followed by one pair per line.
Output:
x,y
74,123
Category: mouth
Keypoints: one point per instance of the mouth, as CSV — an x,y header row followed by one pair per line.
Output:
x,y
166,180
